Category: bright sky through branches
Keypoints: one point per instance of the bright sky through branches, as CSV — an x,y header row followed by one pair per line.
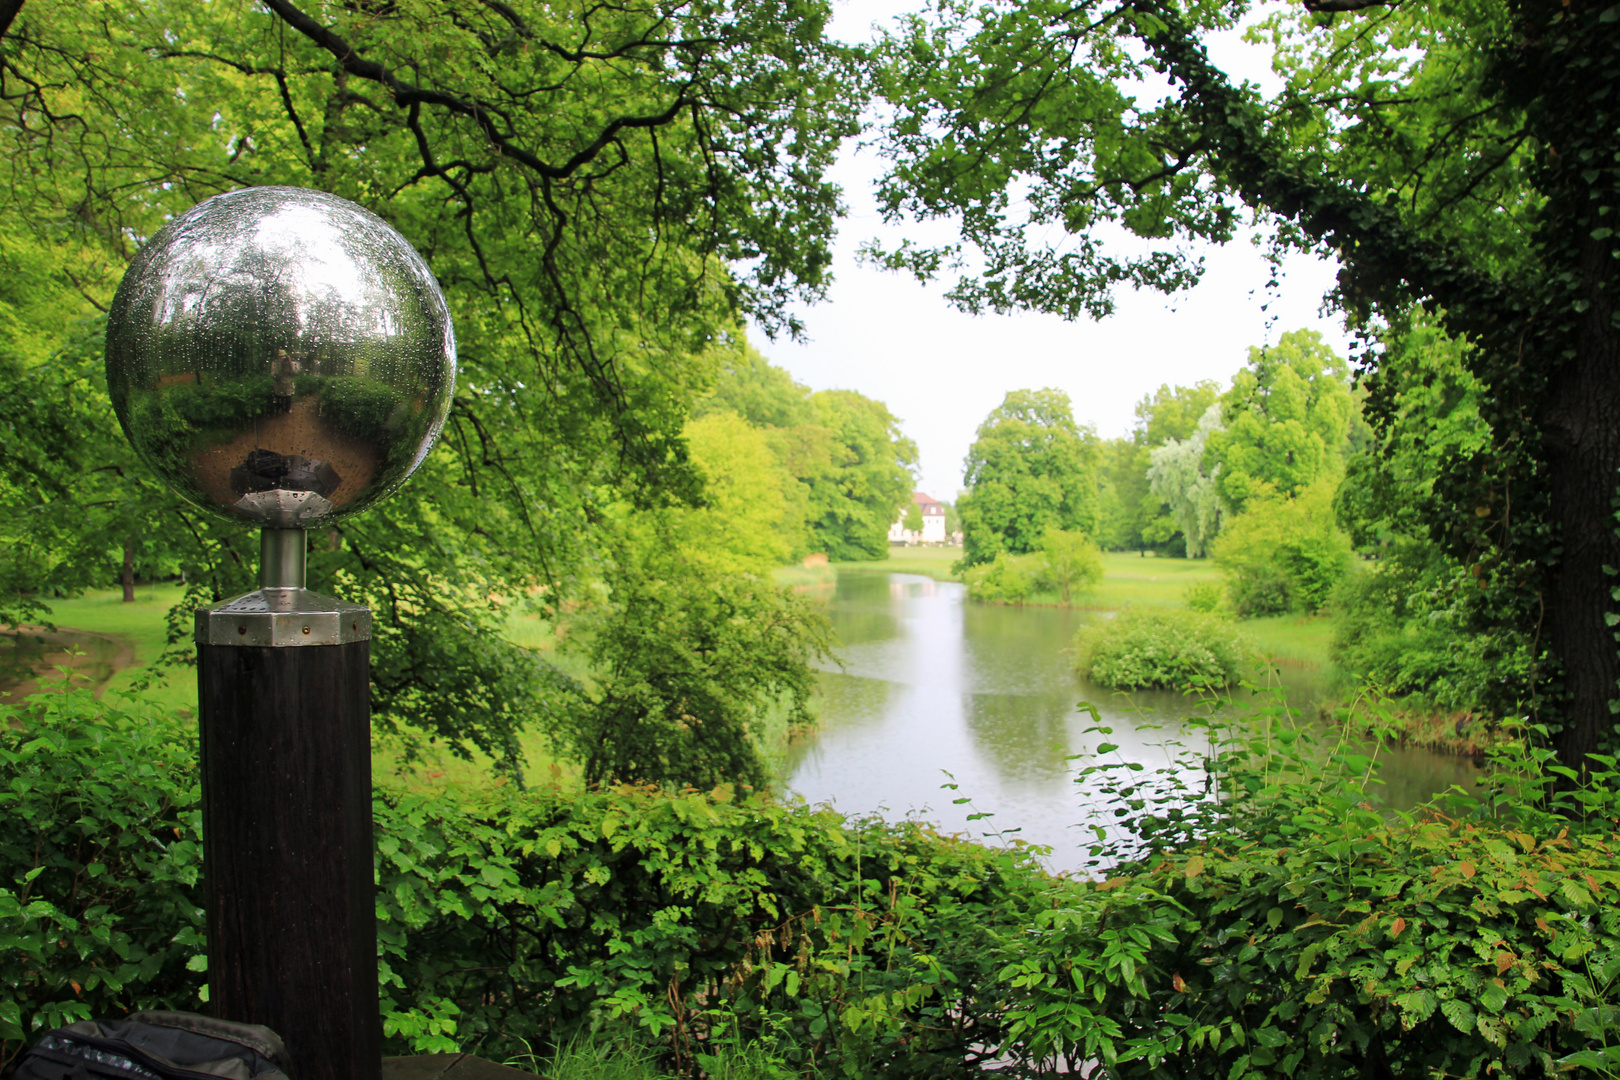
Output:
x,y
941,371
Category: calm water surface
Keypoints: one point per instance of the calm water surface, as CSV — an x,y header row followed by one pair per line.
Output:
x,y
934,690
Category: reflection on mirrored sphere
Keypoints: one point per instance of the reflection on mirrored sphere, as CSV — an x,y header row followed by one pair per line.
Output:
x,y
281,356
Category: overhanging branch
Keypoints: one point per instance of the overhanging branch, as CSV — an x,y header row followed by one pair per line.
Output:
x,y
8,12
1388,262
481,113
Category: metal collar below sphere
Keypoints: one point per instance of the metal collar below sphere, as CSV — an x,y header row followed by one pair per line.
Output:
x,y
281,612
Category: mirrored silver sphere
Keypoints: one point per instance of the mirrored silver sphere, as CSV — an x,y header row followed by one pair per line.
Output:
x,y
280,356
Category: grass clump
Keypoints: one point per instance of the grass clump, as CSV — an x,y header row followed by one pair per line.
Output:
x,y
1160,649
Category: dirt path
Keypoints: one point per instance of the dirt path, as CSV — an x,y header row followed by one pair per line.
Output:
x,y
31,655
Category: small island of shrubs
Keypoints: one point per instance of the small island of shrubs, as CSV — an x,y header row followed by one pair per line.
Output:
x,y
1161,649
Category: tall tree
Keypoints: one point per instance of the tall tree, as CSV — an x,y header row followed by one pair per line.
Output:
x,y
1173,412
1030,468
1125,504
1135,516
1188,489
1437,151
581,180
1285,421
868,480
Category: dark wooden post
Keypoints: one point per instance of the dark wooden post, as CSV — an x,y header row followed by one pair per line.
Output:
x,y
287,832
224,324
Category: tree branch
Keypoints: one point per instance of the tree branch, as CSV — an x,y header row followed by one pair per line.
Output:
x,y
1385,261
8,12
1330,6
480,113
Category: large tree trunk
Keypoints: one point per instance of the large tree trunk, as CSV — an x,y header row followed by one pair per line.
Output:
x,y
1579,416
128,576
1581,425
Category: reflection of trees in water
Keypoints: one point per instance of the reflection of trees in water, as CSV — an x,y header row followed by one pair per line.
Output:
x,y
841,701
863,611
854,698
862,627
25,656
903,588
1021,734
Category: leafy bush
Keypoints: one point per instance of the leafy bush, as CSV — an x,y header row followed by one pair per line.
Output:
x,y
1262,920
1204,596
1283,554
1066,562
1259,919
689,921
1145,648
1070,562
1006,579
1402,625
99,862
688,662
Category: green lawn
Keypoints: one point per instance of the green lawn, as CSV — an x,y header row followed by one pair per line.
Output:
x,y
1291,639
142,625
934,562
1130,579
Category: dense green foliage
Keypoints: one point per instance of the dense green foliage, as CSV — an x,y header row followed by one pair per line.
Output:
x,y
99,865
1005,579
1284,422
1030,468
1460,163
1169,649
843,465
1419,622
1180,477
1284,554
1301,933
1394,629
1064,565
1070,563
604,194
1258,918
515,920
855,501
688,661
1132,514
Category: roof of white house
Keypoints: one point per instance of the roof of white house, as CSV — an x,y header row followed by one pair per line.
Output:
x,y
926,501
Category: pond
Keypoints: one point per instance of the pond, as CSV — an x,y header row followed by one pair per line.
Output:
x,y
933,689
31,657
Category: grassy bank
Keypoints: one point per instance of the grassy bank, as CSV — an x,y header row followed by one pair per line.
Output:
x,y
1129,580
143,626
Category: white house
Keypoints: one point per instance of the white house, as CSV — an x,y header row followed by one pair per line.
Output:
x,y
933,516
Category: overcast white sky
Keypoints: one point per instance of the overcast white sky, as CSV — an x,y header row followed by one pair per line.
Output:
x,y
940,371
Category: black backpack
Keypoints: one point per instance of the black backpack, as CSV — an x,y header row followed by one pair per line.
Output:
x,y
156,1046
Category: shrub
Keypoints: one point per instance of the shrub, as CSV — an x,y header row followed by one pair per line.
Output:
x,y
1283,554
688,665
1203,596
1144,648
99,864
1007,579
1401,625
1069,563
1261,920
687,921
